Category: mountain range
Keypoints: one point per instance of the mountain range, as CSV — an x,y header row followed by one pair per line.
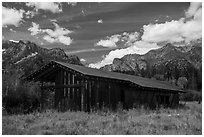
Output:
x,y
168,62
27,57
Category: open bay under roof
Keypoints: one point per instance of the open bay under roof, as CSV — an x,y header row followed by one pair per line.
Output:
x,y
46,73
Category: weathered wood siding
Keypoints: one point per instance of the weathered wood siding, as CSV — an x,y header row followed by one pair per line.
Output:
x,y
100,93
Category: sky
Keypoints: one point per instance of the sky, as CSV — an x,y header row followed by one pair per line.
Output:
x,y
98,32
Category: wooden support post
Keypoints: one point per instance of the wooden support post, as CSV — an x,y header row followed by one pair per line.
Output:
x,y
42,96
109,95
82,96
56,93
85,96
75,93
88,96
97,94
79,97
93,92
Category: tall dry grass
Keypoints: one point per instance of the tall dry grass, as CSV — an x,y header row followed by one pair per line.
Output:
x,y
138,121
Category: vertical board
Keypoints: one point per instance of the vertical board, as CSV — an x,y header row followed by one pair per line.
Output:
x,y
97,94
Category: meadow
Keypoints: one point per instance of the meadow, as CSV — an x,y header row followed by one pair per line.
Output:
x,y
185,120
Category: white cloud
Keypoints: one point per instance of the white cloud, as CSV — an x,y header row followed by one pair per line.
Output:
x,y
130,38
110,42
34,29
47,6
183,30
177,30
11,16
30,14
64,40
72,3
49,39
59,34
193,9
100,21
140,47
82,60
174,31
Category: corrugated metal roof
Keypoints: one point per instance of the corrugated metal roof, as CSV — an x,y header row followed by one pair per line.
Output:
x,y
144,82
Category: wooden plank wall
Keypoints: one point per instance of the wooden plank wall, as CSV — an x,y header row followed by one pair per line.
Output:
x,y
97,94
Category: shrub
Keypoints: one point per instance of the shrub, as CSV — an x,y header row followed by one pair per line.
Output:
x,y
22,98
159,77
192,96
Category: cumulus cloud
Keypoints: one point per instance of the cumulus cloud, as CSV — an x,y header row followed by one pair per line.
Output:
x,y
100,21
58,31
30,14
64,40
72,3
183,30
82,60
34,29
49,39
174,31
193,9
138,47
53,7
59,34
11,16
130,38
177,30
110,42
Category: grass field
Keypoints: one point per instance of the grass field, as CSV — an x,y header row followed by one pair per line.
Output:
x,y
185,120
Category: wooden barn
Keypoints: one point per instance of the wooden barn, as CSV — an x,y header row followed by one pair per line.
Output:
x,y
82,88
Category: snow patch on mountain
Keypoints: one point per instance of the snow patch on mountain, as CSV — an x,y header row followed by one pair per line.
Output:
x,y
29,56
15,41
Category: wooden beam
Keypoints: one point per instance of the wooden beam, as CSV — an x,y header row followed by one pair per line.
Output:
x,y
47,71
42,97
64,86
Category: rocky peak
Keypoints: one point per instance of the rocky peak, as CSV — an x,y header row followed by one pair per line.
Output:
x,y
179,57
28,56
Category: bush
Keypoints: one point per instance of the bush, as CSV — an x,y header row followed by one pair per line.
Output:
x,y
192,96
22,98
159,77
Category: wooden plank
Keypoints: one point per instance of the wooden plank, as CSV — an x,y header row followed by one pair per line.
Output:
x,y
82,96
78,97
68,82
85,96
42,97
75,94
61,90
88,95
97,94
152,103
63,86
71,93
93,94
56,91
109,95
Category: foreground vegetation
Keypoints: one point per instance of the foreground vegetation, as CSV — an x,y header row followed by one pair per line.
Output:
x,y
185,120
